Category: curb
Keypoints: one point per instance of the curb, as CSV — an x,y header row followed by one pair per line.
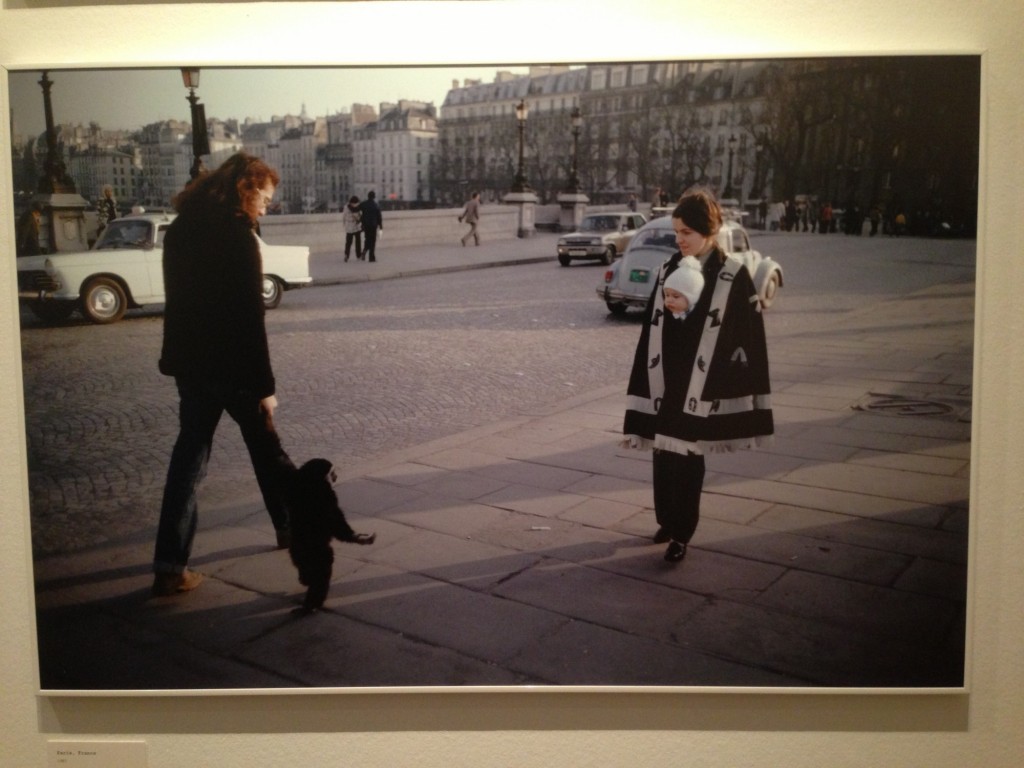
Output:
x,y
428,271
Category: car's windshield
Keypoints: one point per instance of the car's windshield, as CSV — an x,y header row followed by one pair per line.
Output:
x,y
125,233
599,223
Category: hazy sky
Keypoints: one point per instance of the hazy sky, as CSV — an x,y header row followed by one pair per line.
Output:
x,y
131,98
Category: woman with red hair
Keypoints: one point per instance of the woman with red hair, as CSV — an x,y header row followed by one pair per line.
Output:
x,y
215,347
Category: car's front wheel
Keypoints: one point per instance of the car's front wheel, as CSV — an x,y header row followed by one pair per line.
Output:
x,y
104,300
609,255
52,311
565,261
272,291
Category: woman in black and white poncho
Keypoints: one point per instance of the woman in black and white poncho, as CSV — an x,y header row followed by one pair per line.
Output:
x,y
699,383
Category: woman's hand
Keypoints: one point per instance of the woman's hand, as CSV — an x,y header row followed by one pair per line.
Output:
x,y
268,404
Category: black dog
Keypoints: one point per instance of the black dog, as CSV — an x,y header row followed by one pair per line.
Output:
x,y
316,518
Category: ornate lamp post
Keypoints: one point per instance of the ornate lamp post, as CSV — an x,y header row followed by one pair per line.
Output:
x,y
200,142
733,141
522,112
576,117
61,208
55,178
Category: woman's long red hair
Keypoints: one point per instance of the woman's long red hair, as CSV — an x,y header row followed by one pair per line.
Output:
x,y
230,188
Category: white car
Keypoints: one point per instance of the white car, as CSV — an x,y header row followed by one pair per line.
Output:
x,y
125,269
601,236
630,281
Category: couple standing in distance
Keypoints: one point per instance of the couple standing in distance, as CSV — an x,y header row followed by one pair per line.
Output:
x,y
362,218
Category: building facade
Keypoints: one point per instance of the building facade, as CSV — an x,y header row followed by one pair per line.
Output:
x,y
886,133
393,155
894,132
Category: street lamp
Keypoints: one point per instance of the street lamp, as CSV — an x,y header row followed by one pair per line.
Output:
x,y
760,152
55,178
733,141
576,118
200,142
522,112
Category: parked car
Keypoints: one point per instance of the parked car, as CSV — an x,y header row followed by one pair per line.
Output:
x,y
630,281
601,236
124,270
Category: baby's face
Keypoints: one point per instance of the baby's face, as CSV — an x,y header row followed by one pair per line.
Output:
x,y
675,302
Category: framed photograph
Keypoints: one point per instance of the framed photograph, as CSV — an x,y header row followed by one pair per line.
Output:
x,y
469,383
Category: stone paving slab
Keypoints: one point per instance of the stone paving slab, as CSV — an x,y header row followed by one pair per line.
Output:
x,y
108,653
887,613
327,650
704,572
603,598
828,557
880,535
582,654
820,654
473,624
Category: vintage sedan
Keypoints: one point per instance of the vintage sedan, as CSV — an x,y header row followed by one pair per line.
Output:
x,y
601,236
630,281
124,270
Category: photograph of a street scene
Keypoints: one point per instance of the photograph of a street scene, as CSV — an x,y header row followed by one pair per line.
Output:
x,y
468,379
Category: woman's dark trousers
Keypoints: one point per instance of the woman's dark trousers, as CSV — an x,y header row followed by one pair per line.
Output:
x,y
678,481
199,412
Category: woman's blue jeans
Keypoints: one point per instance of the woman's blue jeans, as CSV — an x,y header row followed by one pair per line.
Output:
x,y
199,412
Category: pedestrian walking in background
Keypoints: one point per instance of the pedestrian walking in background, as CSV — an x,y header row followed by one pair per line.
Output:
x,y
372,220
699,382
350,219
631,203
876,219
215,347
825,216
899,224
28,232
471,215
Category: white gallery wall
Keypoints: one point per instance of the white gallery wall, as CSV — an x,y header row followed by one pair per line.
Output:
x,y
531,728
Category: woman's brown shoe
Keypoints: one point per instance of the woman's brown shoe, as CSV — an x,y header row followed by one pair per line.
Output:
x,y
166,584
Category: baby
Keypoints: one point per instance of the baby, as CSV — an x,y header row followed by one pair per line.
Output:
x,y
682,288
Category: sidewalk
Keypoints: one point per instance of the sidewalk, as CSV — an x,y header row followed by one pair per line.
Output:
x,y
332,269
519,553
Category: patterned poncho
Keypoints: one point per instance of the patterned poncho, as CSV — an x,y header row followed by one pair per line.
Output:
x,y
701,383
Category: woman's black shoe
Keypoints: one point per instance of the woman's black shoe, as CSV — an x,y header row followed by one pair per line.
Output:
x,y
661,536
676,551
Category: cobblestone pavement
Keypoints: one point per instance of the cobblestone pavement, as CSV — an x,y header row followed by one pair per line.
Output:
x,y
513,547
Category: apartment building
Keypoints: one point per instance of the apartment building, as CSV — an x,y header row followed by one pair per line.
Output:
x,y
393,155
